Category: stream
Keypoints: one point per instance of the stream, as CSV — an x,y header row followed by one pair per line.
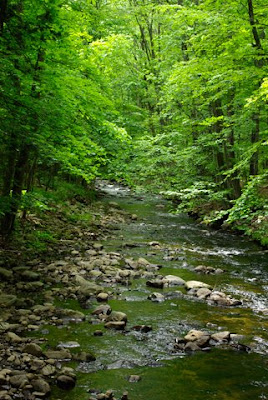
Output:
x,y
222,373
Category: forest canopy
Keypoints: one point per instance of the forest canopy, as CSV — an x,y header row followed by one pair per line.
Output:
x,y
170,96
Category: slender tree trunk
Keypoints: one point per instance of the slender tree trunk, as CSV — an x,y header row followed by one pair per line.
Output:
x,y
255,137
10,216
3,11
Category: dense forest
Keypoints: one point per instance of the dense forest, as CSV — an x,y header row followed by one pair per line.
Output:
x,y
164,95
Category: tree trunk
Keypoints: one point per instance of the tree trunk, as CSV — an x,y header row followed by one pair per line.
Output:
x,y
10,216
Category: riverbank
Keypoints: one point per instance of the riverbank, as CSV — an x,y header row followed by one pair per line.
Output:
x,y
112,296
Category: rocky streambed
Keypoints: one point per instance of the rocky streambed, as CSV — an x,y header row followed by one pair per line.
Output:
x,y
154,307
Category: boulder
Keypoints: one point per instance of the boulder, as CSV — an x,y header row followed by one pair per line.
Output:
x,y
194,335
33,349
197,285
70,314
40,385
117,316
13,338
102,310
203,293
156,297
172,280
66,382
102,296
87,288
117,325
157,283
63,354
134,378
48,370
19,381
221,336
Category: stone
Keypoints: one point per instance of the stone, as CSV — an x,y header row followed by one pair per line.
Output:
x,y
117,325
48,370
125,396
68,345
70,314
40,385
98,333
117,316
7,300
203,293
194,335
134,378
142,328
196,285
33,349
87,288
200,268
13,338
103,309
98,246
157,283
102,296
28,275
143,262
19,381
63,354
221,336
66,382
154,244
5,273
172,280
191,346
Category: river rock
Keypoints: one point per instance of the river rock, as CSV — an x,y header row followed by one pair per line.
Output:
x,y
5,273
102,310
196,285
117,316
68,345
203,293
63,354
13,338
157,283
48,370
117,325
142,328
84,357
40,385
102,296
172,280
66,382
87,288
70,314
221,336
19,381
33,349
134,378
156,297
194,335
191,346
7,300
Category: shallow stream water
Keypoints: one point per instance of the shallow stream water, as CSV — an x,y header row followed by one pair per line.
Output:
x,y
222,374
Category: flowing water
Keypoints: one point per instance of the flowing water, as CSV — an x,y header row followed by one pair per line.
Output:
x,y
222,374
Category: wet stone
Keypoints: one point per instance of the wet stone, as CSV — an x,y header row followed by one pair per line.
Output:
x,y
134,378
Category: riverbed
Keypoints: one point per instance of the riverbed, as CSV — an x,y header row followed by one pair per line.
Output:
x,y
177,244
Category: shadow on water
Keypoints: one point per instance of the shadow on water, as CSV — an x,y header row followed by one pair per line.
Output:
x,y
222,374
